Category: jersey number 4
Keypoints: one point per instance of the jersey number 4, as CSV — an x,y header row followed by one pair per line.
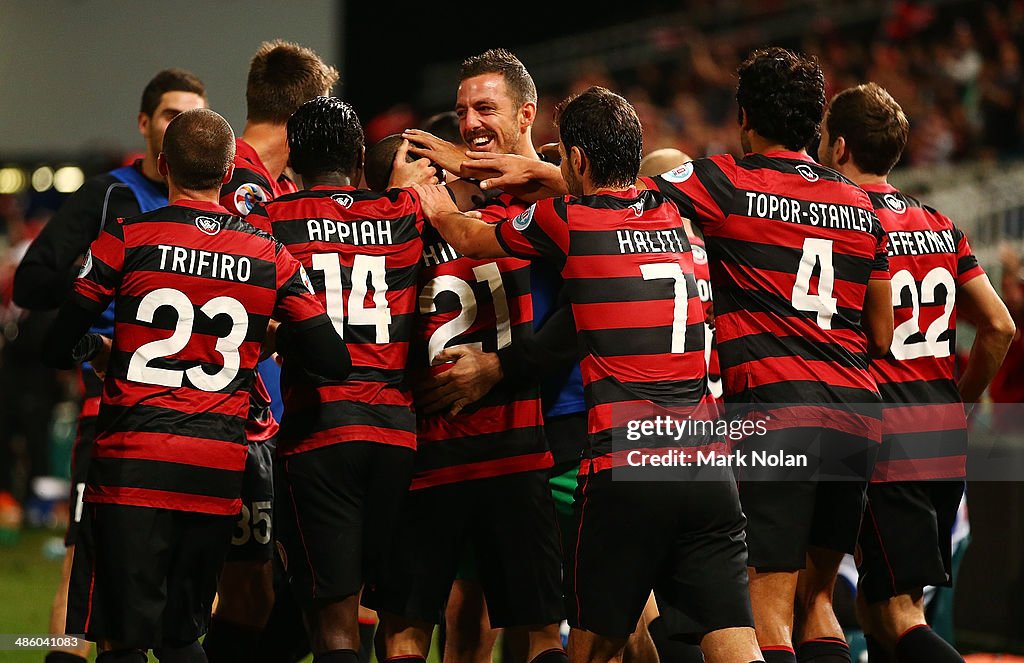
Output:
x,y
817,253
139,369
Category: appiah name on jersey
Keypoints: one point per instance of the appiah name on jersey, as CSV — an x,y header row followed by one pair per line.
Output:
x,y
197,262
357,233
822,215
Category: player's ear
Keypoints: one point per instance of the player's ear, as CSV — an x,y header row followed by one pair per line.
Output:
x,y
578,160
527,114
161,164
144,121
744,121
840,151
230,172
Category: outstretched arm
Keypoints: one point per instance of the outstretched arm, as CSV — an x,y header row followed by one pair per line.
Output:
x,y
467,235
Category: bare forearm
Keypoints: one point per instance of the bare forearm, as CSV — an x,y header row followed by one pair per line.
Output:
x,y
987,353
470,237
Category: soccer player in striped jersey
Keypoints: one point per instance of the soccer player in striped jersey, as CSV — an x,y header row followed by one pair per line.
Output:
x,y
640,323
345,453
919,476
496,105
195,289
47,271
282,76
800,279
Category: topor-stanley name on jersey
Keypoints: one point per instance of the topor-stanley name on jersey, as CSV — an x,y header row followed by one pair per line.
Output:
x,y
822,215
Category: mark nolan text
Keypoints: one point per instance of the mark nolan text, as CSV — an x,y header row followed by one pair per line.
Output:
x,y
695,457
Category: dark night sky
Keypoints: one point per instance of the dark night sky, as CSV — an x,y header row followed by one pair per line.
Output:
x,y
383,58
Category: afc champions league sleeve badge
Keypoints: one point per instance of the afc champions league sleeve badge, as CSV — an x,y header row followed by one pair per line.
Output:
x,y
305,280
87,265
249,195
523,221
680,174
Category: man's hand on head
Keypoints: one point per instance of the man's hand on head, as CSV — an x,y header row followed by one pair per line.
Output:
x,y
428,146
472,375
435,201
405,173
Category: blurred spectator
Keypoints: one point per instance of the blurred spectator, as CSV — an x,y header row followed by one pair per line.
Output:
x,y
1008,385
28,390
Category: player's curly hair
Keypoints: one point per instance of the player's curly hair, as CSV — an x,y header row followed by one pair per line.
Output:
x,y
783,95
325,136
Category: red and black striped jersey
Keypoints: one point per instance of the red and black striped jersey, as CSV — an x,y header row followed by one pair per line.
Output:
x,y
251,183
792,246
486,304
194,288
702,274
924,427
361,250
628,270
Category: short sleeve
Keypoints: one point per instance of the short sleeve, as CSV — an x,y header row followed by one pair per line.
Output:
x,y
967,266
244,191
101,272
542,231
701,189
296,302
880,263
259,218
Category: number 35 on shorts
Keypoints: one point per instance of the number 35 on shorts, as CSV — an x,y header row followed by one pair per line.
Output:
x,y
253,523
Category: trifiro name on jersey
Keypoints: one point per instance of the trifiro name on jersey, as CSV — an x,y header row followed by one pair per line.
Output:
x,y
356,233
650,241
197,262
921,242
822,215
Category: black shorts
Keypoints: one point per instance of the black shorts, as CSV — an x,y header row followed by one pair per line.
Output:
x,y
337,512
253,538
509,523
81,452
906,538
145,577
787,512
683,539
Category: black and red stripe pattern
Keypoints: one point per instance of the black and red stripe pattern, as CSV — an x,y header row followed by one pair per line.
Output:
x,y
370,244
924,428
702,275
486,304
792,246
195,288
629,271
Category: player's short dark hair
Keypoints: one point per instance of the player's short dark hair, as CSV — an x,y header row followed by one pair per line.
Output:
x,y
282,77
500,61
169,80
199,147
325,136
607,130
873,125
783,94
379,161
445,126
